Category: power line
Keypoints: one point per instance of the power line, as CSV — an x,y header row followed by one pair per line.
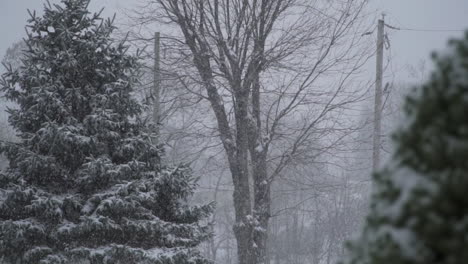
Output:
x,y
423,30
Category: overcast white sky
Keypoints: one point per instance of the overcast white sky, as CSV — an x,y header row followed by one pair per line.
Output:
x,y
407,47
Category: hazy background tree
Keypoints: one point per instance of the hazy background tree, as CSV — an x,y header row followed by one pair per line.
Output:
x,y
11,59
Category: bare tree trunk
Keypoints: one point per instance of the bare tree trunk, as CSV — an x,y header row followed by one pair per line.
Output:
x,y
262,199
262,209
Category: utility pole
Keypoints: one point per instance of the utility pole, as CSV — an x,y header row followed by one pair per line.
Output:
x,y
378,96
157,87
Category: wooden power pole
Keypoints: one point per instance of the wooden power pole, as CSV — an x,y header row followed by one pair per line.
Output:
x,y
157,87
378,96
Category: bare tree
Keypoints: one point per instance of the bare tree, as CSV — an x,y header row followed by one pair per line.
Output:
x,y
278,75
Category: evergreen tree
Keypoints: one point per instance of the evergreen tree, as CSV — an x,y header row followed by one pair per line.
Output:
x,y
84,183
419,208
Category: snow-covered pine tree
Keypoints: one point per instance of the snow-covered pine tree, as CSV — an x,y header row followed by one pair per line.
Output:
x,y
84,183
419,208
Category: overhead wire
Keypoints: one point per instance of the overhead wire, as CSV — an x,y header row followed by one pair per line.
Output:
x,y
423,29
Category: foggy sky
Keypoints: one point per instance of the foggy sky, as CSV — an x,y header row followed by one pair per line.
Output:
x,y
406,47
